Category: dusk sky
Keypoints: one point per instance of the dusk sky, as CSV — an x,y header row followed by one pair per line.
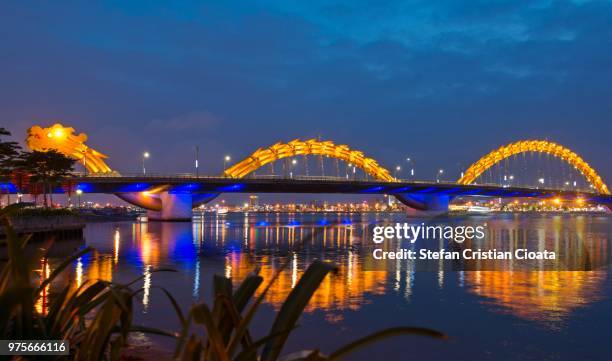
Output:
x,y
439,81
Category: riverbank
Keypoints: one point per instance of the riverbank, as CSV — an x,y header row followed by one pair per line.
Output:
x,y
42,224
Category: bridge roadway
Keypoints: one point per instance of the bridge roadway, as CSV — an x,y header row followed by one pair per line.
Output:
x,y
173,196
192,184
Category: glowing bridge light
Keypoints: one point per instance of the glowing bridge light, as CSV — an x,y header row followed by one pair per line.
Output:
x,y
542,146
263,156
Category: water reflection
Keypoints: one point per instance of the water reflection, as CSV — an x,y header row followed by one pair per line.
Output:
x,y
236,244
537,296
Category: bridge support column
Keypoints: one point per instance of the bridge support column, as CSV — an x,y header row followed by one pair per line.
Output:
x,y
175,207
425,204
437,203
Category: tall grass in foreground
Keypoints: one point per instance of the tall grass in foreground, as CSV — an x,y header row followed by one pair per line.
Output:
x,y
97,317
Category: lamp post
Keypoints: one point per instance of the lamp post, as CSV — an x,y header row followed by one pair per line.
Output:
x,y
226,159
410,161
293,164
197,161
79,192
439,175
397,169
145,155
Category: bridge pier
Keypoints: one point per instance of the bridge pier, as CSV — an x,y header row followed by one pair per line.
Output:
x,y
175,207
425,204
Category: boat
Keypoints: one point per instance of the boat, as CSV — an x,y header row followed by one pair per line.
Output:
x,y
478,209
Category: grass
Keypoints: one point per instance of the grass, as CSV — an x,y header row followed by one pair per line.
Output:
x,y
97,317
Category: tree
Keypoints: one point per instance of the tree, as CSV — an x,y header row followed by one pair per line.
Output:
x,y
9,157
49,169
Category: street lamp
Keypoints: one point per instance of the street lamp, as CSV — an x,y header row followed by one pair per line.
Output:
x,y
293,164
79,192
439,175
411,162
225,160
397,169
197,161
145,155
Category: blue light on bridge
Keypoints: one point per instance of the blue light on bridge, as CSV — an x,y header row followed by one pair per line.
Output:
x,y
185,188
469,192
402,189
377,189
263,224
232,188
134,187
428,190
324,222
293,222
85,187
451,191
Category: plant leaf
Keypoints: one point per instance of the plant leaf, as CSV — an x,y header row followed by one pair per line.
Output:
x,y
202,315
293,307
377,336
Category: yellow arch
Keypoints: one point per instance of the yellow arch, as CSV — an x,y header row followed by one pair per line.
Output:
x,y
263,156
64,140
543,146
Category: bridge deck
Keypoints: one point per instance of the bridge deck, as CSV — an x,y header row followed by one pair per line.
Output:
x,y
202,185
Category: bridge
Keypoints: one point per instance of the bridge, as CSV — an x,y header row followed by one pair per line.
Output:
x,y
172,197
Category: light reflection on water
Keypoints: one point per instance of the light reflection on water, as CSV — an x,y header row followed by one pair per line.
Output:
x,y
235,244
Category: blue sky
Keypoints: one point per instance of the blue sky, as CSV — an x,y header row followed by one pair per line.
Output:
x,y
440,81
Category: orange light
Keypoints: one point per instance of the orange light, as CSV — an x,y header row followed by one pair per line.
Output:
x,y
557,201
580,201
